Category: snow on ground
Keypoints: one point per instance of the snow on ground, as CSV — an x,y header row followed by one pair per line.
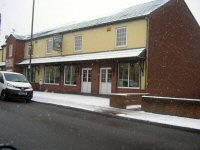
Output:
x,y
71,100
99,104
164,119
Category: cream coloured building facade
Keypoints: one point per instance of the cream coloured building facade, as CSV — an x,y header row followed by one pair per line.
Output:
x,y
122,53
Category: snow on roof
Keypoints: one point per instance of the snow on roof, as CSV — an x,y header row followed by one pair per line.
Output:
x,y
21,37
90,56
137,11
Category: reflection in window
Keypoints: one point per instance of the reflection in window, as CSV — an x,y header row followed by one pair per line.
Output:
x,y
89,75
121,38
103,75
70,74
128,75
49,45
78,42
109,75
52,74
33,73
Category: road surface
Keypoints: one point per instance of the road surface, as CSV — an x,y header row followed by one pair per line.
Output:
x,y
36,126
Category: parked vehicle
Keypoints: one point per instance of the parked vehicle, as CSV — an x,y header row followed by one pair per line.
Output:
x,y
7,147
15,85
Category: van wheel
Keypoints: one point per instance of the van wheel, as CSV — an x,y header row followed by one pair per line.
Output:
x,y
3,96
27,100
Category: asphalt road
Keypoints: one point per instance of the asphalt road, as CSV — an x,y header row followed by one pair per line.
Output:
x,y
36,126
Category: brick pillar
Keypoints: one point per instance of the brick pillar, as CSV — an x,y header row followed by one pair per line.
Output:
x,y
95,77
114,77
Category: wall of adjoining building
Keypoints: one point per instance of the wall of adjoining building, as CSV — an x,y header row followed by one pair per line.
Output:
x,y
173,52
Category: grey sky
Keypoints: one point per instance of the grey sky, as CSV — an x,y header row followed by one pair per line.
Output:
x,y
16,14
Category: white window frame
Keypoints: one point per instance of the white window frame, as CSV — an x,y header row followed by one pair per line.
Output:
x,y
138,87
49,75
80,44
120,28
70,84
10,50
33,74
49,47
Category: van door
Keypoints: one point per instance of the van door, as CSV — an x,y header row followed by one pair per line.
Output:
x,y
1,82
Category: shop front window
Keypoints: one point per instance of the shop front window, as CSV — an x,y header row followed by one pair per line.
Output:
x,y
52,74
128,74
32,74
70,75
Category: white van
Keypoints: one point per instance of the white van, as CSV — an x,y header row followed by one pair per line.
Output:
x,y
15,85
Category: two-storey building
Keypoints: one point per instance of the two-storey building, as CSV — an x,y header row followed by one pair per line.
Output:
x,y
149,48
2,57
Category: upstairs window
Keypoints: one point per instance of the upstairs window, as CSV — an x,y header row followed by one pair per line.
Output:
x,y
49,45
10,50
78,43
121,39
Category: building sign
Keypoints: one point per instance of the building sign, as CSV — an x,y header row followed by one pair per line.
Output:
x,y
57,42
9,63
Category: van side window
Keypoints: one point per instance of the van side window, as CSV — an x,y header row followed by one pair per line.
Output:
x,y
1,78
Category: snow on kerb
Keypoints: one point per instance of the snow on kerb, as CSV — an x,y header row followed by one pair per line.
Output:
x,y
172,98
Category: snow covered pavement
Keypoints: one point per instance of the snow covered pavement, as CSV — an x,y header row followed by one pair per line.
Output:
x,y
99,104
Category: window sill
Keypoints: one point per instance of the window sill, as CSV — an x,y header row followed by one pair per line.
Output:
x,y
52,83
122,46
77,51
70,85
48,53
129,88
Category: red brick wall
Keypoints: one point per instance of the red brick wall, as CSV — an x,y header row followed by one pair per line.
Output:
x,y
19,55
176,107
10,41
95,65
18,52
173,52
61,88
95,77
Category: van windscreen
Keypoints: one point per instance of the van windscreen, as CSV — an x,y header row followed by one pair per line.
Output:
x,y
15,77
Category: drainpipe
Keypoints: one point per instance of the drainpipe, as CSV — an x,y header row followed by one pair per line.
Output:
x,y
147,52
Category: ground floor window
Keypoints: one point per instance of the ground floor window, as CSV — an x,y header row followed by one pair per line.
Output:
x,y
70,75
33,72
52,74
128,75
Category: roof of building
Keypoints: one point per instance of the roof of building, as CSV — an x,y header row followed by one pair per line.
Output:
x,y
133,12
130,53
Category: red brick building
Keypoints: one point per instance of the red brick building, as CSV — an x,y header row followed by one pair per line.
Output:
x,y
167,64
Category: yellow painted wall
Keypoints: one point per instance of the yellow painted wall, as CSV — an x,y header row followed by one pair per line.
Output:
x,y
40,48
1,55
4,54
99,39
95,39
